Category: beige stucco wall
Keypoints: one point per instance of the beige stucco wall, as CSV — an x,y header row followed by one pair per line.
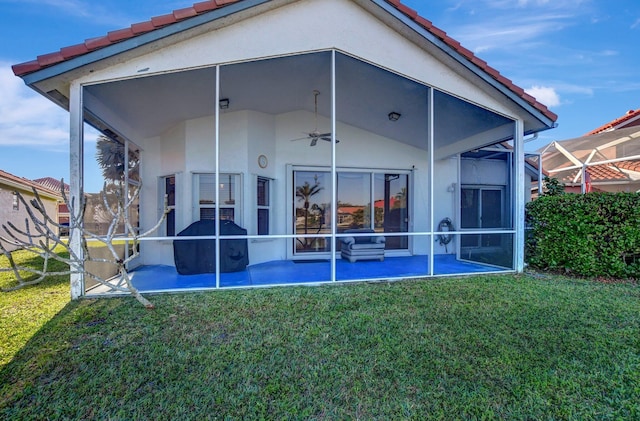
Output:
x,y
17,217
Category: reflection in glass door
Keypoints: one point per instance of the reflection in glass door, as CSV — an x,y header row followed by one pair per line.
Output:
x,y
312,210
366,199
390,207
354,200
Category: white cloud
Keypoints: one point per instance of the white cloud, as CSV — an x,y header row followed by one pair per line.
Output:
x,y
544,94
28,119
509,34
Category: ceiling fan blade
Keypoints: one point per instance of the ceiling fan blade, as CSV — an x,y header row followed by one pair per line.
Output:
x,y
314,141
300,138
328,139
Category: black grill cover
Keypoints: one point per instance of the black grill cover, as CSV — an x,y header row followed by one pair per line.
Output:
x,y
199,256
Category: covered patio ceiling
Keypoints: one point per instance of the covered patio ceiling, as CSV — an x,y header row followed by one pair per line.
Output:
x,y
149,105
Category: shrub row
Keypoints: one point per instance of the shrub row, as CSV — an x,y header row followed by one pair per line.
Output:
x,y
594,235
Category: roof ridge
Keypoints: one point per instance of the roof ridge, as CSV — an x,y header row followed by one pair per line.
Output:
x,y
136,29
27,182
613,123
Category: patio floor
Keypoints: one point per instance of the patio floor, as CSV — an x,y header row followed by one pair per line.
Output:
x,y
282,272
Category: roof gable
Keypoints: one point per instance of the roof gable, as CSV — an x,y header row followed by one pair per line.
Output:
x,y
182,19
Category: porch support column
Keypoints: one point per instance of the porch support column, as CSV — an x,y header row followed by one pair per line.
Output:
x,y
216,107
334,176
76,182
519,187
430,142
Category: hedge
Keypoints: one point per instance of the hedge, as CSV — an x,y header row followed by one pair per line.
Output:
x,y
592,235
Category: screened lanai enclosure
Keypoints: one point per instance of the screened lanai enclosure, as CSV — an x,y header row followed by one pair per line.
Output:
x,y
302,155
377,148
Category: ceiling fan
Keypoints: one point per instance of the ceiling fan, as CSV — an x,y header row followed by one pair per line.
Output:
x,y
315,134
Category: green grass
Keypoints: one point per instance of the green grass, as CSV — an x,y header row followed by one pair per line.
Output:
x,y
23,312
485,347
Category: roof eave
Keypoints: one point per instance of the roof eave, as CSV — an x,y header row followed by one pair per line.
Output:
x,y
547,122
129,44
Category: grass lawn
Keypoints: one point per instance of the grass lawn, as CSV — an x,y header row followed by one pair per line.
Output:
x,y
482,347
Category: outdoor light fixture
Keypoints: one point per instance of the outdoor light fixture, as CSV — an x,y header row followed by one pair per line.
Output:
x,y
224,103
393,116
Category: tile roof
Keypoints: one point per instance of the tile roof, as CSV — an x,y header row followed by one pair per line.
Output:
x,y
604,172
158,22
619,122
52,184
26,183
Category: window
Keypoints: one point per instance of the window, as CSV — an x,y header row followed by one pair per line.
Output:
x,y
229,193
170,192
263,201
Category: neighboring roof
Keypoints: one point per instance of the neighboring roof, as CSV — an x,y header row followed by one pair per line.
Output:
x,y
630,119
604,154
25,184
137,29
52,184
604,173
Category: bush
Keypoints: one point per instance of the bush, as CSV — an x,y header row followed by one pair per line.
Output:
x,y
595,234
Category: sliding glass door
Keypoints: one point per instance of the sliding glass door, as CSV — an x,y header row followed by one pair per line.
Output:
x,y
366,199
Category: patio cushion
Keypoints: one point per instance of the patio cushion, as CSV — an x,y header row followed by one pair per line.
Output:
x,y
362,247
199,256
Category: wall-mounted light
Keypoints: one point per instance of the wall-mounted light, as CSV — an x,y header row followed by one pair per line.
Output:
x,y
224,103
394,116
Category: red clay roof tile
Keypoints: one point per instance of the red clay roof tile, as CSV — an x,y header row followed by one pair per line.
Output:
x,y
27,184
26,68
142,27
49,59
425,23
185,13
99,42
120,34
605,172
616,123
206,6
164,20
407,11
73,51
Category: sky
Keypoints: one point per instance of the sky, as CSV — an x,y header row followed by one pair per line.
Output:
x,y
578,57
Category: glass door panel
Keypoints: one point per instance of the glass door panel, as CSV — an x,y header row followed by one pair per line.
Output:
x,y
312,211
354,201
390,208
484,208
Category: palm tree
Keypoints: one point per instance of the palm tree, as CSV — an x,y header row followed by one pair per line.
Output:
x,y
304,194
401,198
111,158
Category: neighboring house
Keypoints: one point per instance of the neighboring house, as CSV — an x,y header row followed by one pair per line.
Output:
x,y
63,210
272,113
13,211
605,159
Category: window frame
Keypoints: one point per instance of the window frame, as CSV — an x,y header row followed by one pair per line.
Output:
x,y
264,207
237,192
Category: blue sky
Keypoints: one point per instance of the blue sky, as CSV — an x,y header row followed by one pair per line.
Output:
x,y
579,57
